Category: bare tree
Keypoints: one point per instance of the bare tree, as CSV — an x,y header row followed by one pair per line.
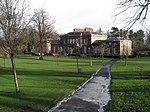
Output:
x,y
44,27
12,19
138,10
102,49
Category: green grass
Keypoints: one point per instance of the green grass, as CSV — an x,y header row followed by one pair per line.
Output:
x,y
42,82
130,87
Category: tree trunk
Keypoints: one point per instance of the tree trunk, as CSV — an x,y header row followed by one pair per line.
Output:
x,y
125,60
41,56
91,60
77,60
41,49
14,73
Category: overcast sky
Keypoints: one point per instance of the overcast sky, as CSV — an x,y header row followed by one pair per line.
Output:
x,y
69,14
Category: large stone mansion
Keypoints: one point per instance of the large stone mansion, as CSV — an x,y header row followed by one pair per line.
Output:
x,y
86,41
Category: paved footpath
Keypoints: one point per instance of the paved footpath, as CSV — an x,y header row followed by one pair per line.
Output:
x,y
92,96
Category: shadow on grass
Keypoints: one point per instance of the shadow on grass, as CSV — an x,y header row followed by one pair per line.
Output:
x,y
51,59
29,103
131,82
62,59
129,75
22,102
52,73
62,73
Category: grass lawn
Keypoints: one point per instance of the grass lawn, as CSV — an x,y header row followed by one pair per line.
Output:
x,y
131,86
42,82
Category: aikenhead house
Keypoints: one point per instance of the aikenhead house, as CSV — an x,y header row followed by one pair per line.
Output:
x,y
86,41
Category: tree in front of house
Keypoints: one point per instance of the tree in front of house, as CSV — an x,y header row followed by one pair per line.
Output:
x,y
12,19
60,50
102,49
44,27
70,50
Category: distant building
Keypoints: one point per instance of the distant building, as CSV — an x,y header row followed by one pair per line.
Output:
x,y
88,42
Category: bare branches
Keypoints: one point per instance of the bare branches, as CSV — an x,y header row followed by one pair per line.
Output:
x,y
43,25
12,20
41,21
136,10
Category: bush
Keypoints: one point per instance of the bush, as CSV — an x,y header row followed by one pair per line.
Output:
x,y
142,53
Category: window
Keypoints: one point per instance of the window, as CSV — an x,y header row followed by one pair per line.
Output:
x,y
70,41
73,41
64,41
85,49
84,41
76,41
65,49
108,50
115,50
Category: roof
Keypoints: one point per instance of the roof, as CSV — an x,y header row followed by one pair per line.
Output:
x,y
78,34
117,39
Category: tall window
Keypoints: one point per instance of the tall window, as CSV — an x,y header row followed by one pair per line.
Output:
x,y
65,49
73,41
108,50
115,50
76,40
84,41
85,49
